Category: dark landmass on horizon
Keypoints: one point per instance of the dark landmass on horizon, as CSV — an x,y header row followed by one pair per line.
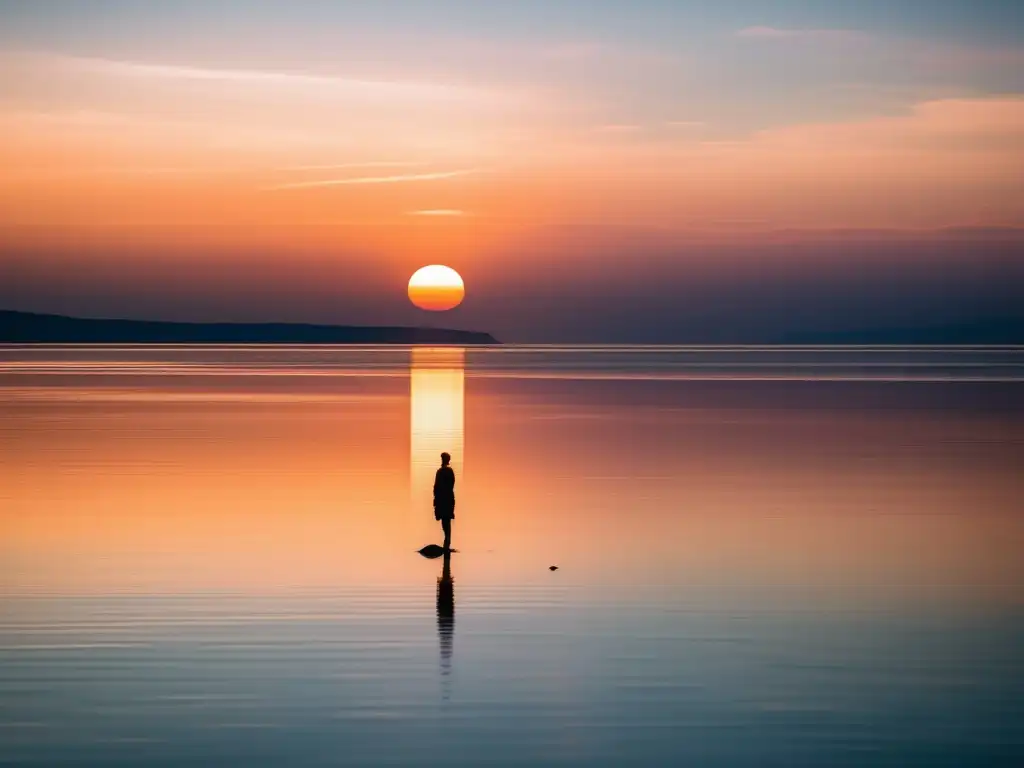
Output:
x,y
33,328
37,328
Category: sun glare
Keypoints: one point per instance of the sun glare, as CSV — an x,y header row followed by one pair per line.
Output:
x,y
436,288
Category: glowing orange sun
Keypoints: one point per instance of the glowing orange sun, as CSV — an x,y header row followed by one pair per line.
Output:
x,y
436,288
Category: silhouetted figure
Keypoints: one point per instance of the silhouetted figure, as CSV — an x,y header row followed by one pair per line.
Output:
x,y
444,498
446,613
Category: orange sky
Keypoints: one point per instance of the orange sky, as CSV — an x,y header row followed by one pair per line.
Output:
x,y
151,165
947,162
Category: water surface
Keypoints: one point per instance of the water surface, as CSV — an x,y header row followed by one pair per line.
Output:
x,y
767,556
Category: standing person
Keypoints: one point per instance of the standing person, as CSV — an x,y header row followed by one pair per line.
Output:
x,y
444,498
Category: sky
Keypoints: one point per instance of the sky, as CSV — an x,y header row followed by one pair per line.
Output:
x,y
596,170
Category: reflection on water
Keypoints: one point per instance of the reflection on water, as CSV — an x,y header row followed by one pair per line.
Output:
x,y
445,606
436,416
207,556
446,613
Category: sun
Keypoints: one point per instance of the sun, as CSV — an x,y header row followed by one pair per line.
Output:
x,y
436,288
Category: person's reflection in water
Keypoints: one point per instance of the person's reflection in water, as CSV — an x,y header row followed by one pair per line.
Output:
x,y
446,613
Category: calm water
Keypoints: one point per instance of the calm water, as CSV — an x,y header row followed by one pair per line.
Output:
x,y
767,557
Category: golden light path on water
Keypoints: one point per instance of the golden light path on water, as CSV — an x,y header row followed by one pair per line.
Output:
x,y
436,417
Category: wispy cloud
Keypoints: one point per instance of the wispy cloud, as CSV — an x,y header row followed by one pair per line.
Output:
x,y
783,33
405,178
290,81
932,58
574,51
619,128
441,212
206,170
353,166
70,172
555,53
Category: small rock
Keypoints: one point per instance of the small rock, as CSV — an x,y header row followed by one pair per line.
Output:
x,y
552,567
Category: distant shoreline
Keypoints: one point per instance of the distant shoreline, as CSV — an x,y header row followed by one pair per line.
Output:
x,y
40,328
34,328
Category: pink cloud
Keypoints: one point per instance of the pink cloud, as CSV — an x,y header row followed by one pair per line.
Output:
x,y
978,125
780,33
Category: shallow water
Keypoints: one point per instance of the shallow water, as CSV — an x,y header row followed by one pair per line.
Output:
x,y
771,557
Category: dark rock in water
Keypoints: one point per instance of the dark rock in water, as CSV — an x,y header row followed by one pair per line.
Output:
x,y
553,568
433,551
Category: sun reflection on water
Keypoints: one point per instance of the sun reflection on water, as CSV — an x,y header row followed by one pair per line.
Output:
x,y
436,415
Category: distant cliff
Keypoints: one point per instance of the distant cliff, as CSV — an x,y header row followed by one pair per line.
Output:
x,y
31,328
